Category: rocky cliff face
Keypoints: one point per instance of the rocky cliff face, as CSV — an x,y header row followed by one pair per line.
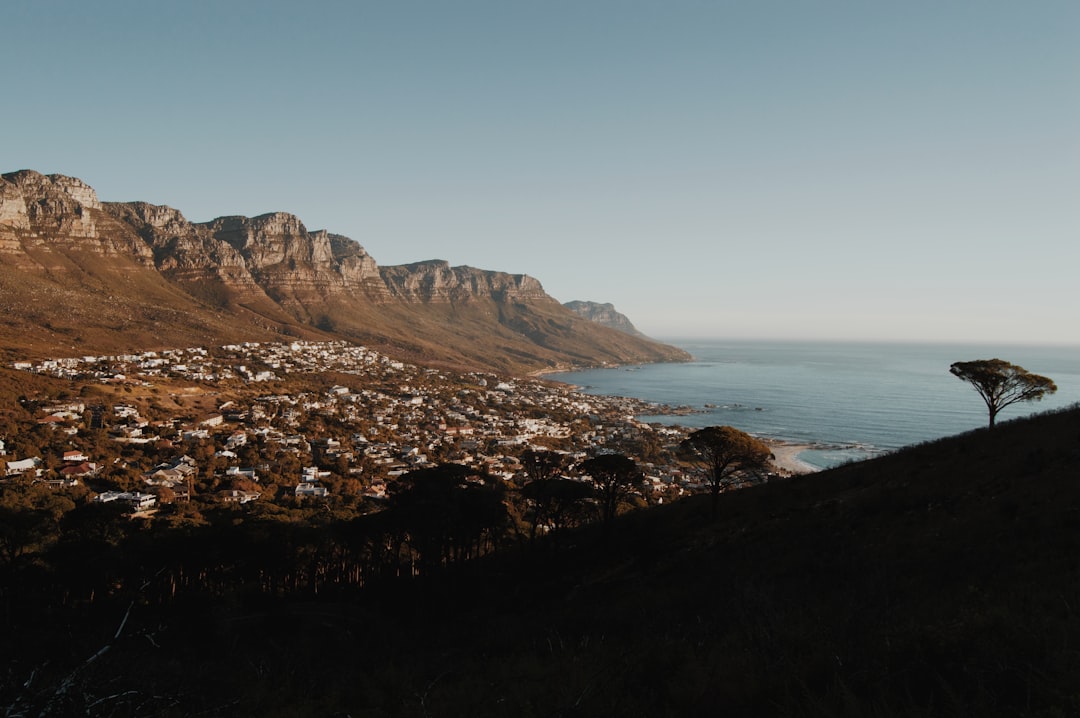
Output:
x,y
604,314
188,254
50,206
436,281
55,211
288,261
253,275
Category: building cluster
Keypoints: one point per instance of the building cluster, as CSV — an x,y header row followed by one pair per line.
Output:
x,y
267,442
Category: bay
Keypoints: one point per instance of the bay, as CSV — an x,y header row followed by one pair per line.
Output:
x,y
848,401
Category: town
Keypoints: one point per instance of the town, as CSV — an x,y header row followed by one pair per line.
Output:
x,y
303,421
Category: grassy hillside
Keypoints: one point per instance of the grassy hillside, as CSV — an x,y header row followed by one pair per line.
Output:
x,y
943,580
79,303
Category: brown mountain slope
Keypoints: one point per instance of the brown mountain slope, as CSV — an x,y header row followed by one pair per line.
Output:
x,y
81,276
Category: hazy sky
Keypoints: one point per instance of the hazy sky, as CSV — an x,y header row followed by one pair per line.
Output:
x,y
799,169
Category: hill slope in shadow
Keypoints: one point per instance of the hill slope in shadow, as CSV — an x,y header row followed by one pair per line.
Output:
x,y
940,580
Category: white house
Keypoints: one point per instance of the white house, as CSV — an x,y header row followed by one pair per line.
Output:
x,y
311,474
250,473
136,500
240,497
311,490
22,466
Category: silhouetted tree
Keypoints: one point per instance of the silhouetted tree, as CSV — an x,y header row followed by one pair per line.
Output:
x,y
30,516
615,476
540,465
448,511
541,469
1001,384
724,452
562,500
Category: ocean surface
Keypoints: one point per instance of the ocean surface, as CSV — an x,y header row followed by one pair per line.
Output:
x,y
848,401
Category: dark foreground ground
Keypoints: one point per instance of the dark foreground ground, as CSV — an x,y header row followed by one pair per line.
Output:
x,y
943,580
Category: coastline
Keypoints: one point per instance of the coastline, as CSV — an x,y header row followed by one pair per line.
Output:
x,y
785,453
787,457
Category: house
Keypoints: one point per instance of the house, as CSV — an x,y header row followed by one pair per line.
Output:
x,y
185,464
310,490
238,471
64,483
239,497
72,410
236,440
375,491
124,411
136,500
74,457
311,474
172,475
22,466
80,470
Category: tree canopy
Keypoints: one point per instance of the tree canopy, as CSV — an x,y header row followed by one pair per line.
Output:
x,y
1001,384
615,476
723,452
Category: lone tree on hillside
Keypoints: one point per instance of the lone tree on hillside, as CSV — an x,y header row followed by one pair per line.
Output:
x,y
723,452
1000,383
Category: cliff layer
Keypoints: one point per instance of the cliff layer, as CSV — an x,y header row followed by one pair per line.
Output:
x,y
603,313
82,276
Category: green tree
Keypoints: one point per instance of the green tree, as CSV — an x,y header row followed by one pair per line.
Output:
x,y
724,452
1001,384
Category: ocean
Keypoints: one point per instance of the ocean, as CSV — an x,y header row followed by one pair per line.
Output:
x,y
847,401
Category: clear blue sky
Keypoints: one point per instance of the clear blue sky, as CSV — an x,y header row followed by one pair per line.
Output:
x,y
860,170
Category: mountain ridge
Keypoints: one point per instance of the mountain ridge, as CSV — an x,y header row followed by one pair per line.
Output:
x,y
603,313
102,276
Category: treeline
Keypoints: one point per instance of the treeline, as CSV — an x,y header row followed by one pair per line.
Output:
x,y
56,551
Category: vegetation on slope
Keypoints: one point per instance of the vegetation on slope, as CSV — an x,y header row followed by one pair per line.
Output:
x,y
942,580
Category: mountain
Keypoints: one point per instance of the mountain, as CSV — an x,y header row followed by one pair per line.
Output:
x,y
603,314
81,276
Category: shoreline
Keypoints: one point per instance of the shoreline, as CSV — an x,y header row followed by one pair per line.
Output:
x,y
787,457
786,453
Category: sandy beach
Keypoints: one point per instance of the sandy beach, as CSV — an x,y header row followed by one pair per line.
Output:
x,y
787,457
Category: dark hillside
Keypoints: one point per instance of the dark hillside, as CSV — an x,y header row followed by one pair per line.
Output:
x,y
943,580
